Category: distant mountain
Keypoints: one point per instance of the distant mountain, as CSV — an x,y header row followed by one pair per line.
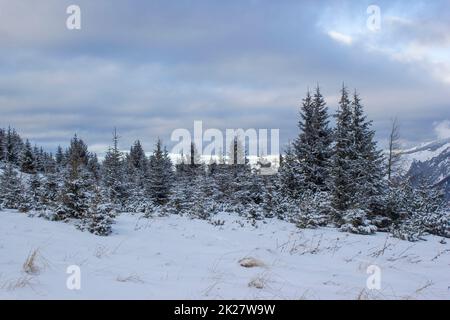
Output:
x,y
429,162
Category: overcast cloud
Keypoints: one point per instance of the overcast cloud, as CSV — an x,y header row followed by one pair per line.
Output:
x,y
149,67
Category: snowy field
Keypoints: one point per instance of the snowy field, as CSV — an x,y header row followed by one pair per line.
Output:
x,y
178,258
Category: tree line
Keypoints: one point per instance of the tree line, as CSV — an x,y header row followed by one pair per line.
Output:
x,y
327,177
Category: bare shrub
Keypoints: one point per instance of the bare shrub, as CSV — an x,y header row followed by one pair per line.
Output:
x,y
31,266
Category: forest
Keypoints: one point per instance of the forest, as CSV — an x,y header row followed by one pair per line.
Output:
x,y
328,176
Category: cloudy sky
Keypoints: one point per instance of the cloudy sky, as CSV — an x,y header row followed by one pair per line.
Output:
x,y
149,67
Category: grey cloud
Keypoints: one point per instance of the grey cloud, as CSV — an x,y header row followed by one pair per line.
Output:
x,y
156,66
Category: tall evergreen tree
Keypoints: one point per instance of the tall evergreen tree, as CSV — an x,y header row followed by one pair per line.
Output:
x,y
321,144
312,148
303,145
342,180
367,168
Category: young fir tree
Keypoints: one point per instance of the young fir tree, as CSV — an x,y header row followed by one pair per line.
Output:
x,y
60,157
11,189
32,194
37,159
2,145
94,167
289,174
137,164
49,163
76,190
160,174
240,172
99,216
200,197
13,147
27,159
180,194
49,191
113,174
137,158
422,210
194,165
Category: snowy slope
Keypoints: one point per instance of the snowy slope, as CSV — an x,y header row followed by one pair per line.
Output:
x,y
175,257
430,163
424,152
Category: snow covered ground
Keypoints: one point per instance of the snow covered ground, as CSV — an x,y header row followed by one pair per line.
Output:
x,y
178,258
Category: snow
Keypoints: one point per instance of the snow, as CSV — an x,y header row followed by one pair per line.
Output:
x,y
424,152
179,258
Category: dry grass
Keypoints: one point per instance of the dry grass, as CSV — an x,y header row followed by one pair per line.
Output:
x,y
134,278
250,262
104,251
258,283
428,284
362,295
31,266
101,252
19,283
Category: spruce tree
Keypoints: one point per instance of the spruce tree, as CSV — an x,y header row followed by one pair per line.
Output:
x,y
59,157
289,174
306,165
93,166
27,160
113,174
138,160
99,216
11,188
303,147
13,147
33,194
160,174
321,144
49,190
76,189
342,185
2,145
367,168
